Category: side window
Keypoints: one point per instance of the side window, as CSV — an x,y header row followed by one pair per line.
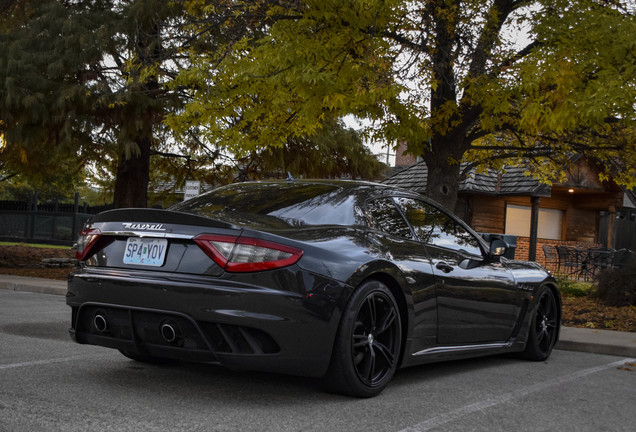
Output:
x,y
433,226
387,218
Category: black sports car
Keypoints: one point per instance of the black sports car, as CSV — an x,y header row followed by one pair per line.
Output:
x,y
342,280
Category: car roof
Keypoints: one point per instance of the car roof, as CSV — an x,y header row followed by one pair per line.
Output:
x,y
358,187
268,204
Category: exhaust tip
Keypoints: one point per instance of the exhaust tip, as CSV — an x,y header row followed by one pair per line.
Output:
x,y
101,323
170,332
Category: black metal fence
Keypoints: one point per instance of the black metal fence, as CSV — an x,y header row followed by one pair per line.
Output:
x,y
49,223
625,234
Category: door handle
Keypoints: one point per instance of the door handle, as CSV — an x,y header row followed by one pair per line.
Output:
x,y
444,267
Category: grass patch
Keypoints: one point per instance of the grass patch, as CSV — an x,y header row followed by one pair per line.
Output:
x,y
571,288
37,245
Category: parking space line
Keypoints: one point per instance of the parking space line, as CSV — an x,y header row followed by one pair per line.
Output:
x,y
43,362
482,405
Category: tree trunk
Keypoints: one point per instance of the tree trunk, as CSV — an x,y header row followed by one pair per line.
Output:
x,y
131,183
443,160
142,116
443,179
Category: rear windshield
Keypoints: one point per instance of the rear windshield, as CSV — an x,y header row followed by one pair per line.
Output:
x,y
276,205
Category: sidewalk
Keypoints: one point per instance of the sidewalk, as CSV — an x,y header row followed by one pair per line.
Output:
x,y
29,284
572,338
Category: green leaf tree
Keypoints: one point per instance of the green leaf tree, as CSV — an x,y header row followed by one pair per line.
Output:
x,y
84,80
333,151
479,80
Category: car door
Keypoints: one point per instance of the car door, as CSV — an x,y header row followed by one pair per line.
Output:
x,y
399,244
476,295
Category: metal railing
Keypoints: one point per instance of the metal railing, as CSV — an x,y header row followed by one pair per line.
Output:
x,y
50,223
41,227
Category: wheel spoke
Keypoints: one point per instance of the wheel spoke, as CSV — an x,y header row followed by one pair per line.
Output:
x,y
540,312
367,366
367,315
543,340
387,321
385,352
548,305
359,341
540,335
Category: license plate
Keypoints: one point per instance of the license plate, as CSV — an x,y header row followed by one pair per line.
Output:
x,y
145,251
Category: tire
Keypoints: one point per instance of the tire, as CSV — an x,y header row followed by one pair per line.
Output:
x,y
367,346
142,358
544,327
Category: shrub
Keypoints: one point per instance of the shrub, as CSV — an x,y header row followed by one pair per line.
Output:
x,y
63,233
617,287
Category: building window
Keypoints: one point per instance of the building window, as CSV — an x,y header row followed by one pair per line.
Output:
x,y
518,222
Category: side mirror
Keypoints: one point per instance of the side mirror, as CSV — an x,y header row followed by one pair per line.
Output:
x,y
498,247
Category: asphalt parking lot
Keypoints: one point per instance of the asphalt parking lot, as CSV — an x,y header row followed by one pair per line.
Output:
x,y
48,383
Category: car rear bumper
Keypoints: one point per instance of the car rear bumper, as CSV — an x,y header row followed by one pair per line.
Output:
x,y
203,319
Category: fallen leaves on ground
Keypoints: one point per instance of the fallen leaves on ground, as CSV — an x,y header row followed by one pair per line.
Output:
x,y
631,367
23,260
45,273
590,313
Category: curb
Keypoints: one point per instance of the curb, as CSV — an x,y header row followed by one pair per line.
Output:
x,y
597,341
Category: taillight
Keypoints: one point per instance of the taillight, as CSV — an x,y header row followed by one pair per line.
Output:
x,y
244,254
87,239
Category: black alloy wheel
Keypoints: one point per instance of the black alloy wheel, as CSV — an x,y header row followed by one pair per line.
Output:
x,y
367,348
545,327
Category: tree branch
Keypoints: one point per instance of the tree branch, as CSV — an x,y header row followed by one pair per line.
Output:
x,y
7,177
516,57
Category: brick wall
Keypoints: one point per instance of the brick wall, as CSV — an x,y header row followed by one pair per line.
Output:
x,y
523,248
402,159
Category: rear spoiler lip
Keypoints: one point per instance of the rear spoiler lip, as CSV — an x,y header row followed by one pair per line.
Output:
x,y
153,217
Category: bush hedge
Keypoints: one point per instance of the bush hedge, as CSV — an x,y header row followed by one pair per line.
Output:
x,y
617,287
